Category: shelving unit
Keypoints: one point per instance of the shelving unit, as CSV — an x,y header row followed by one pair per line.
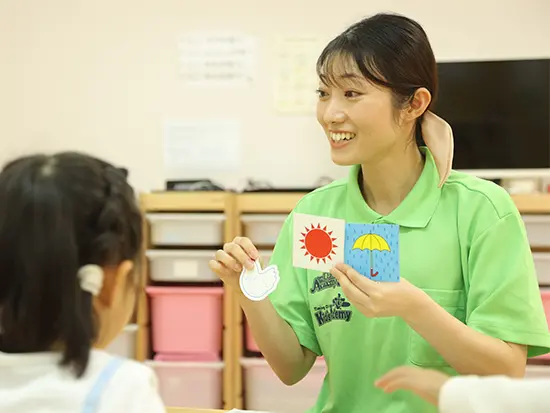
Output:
x,y
256,205
191,202
239,211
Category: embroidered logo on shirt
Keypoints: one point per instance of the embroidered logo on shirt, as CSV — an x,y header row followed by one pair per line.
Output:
x,y
324,282
337,310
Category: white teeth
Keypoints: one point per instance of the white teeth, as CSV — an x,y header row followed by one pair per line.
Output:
x,y
336,137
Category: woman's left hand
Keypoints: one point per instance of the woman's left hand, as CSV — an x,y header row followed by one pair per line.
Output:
x,y
379,299
423,382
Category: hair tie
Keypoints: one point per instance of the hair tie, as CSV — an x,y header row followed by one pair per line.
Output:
x,y
91,278
438,137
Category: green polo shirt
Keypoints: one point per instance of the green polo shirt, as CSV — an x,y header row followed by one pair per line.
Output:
x,y
464,244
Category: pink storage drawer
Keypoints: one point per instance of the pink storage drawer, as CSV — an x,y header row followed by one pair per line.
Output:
x,y
186,320
184,382
263,391
545,293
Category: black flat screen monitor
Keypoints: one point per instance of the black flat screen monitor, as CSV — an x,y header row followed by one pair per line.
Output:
x,y
499,112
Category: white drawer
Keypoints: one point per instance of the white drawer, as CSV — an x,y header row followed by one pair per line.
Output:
x,y
190,384
263,229
537,372
542,266
186,229
177,265
125,343
266,257
538,229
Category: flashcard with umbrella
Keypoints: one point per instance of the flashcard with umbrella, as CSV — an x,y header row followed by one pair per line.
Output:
x,y
373,250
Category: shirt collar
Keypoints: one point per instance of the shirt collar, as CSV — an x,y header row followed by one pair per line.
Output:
x,y
415,211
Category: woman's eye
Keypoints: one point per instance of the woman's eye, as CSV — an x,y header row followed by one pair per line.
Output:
x,y
351,94
321,93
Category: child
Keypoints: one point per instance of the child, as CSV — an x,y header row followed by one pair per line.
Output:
x,y
70,235
470,394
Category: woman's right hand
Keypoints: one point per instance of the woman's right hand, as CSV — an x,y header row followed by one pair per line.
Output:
x,y
230,261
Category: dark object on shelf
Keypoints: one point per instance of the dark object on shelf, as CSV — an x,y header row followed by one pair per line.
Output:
x,y
190,186
264,186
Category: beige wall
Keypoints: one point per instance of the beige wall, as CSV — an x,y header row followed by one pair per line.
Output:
x,y
102,75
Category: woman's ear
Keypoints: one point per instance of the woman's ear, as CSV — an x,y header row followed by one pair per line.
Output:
x,y
419,103
114,281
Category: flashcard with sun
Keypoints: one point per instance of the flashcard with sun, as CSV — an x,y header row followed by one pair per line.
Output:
x,y
318,242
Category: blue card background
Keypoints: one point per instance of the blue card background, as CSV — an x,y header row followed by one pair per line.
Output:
x,y
385,262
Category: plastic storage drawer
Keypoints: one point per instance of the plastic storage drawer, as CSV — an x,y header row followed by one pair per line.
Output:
x,y
178,265
538,229
191,384
262,229
265,392
187,320
168,229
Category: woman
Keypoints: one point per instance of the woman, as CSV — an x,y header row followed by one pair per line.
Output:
x,y
468,301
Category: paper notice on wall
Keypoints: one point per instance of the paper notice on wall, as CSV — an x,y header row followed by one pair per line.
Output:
x,y
295,80
202,145
217,59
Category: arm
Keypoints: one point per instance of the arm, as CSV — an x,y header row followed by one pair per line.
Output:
x,y
503,306
277,341
281,325
466,350
470,394
494,395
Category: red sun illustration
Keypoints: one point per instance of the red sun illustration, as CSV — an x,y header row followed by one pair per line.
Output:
x,y
318,243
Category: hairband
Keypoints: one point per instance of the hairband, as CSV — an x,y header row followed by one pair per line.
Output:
x,y
438,136
91,278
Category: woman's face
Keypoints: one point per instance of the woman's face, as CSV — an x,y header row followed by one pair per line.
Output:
x,y
358,118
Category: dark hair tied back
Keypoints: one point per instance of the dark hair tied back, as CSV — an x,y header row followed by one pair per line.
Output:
x,y
57,214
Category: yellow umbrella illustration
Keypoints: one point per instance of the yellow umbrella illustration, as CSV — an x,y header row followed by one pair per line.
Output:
x,y
371,242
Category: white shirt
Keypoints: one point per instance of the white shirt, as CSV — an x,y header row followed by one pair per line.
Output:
x,y
35,383
497,394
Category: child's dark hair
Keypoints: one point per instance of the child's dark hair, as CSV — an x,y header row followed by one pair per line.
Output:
x,y
57,214
389,50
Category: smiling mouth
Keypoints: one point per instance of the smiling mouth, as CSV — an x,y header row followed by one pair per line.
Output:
x,y
341,136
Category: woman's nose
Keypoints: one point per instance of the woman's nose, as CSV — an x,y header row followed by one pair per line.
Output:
x,y
334,113
334,116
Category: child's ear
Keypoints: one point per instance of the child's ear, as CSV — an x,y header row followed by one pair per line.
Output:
x,y
115,280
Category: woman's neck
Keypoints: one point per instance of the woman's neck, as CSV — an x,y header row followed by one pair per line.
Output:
x,y
386,183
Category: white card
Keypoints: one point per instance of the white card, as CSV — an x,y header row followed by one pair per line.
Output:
x,y
318,242
257,284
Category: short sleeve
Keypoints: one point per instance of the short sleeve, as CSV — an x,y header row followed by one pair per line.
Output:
x,y
290,299
134,389
504,299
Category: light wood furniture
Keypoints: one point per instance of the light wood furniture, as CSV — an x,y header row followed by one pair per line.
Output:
x,y
255,203
533,203
233,206
192,202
